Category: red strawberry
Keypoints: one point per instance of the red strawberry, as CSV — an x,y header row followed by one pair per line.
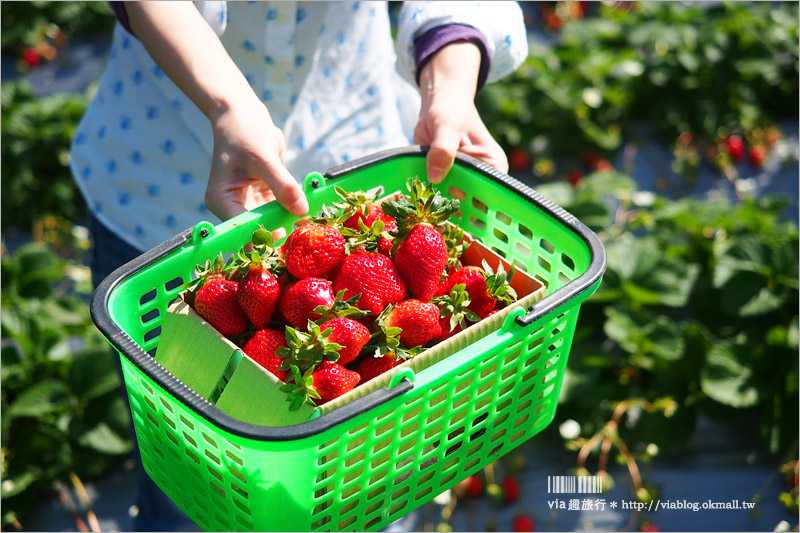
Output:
x,y
735,146
385,244
418,320
603,165
259,289
360,206
523,523
261,348
485,287
421,258
258,294
454,312
474,486
444,325
421,252
372,214
31,56
372,367
574,177
313,249
352,335
519,159
510,489
299,300
757,155
374,277
216,302
331,380
481,303
213,296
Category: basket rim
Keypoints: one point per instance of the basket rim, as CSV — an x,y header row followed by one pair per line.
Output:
x,y
134,353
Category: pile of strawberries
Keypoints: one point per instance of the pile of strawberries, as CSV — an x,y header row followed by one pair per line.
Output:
x,y
351,294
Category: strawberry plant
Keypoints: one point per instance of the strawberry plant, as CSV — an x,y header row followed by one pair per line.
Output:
x,y
689,75
33,185
698,304
63,413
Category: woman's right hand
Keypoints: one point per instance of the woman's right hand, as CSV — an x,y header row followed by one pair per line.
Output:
x,y
248,169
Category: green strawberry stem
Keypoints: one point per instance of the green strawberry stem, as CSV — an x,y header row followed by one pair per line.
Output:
x,y
498,284
455,305
355,200
307,350
218,267
340,308
301,390
386,340
424,205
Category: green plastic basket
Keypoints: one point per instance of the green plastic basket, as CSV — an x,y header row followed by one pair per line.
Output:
x,y
370,462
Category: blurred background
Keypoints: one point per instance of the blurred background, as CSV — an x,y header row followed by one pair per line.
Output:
x,y
671,129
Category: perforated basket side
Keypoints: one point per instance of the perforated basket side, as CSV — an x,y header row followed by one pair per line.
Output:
x,y
203,472
446,430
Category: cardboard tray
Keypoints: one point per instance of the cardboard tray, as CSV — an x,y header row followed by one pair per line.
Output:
x,y
219,371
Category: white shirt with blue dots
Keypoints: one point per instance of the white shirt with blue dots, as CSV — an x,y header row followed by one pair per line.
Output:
x,y
327,72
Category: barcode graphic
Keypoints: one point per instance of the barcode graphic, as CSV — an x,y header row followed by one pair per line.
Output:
x,y
574,484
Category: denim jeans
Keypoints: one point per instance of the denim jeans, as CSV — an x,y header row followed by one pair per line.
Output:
x,y
156,511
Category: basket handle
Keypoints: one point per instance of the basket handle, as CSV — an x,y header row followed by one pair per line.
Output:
x,y
573,289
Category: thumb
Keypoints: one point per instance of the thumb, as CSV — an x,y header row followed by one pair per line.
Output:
x,y
287,191
442,152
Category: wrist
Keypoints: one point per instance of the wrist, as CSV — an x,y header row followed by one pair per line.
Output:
x,y
452,73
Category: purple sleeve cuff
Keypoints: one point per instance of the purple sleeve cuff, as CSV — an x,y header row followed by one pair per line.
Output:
x,y
118,8
434,39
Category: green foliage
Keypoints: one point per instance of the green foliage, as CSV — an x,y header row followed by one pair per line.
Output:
x,y
673,67
34,143
28,23
62,408
699,303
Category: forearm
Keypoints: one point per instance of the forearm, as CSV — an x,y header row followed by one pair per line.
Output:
x,y
186,48
452,73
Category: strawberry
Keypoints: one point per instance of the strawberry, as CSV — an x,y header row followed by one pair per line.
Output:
x,y
735,146
259,290
313,249
386,242
418,320
351,335
510,489
216,302
757,155
474,486
213,296
454,312
603,165
485,287
372,367
374,277
519,159
359,206
331,380
261,348
420,251
299,300
523,523
574,177
303,354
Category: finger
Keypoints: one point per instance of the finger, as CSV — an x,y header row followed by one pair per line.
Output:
x,y
492,155
287,191
442,153
220,201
